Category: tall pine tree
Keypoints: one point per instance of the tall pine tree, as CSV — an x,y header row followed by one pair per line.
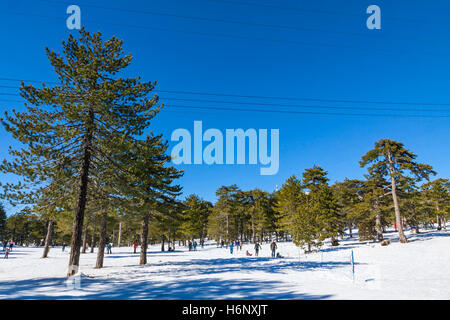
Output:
x,y
85,117
390,159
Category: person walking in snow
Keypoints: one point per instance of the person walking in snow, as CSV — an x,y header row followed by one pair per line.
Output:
x,y
135,244
231,247
63,246
257,248
273,248
11,244
195,245
108,248
190,245
6,254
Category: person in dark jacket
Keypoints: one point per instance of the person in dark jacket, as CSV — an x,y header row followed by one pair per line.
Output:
x,y
257,248
273,248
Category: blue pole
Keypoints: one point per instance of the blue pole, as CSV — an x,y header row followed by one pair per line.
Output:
x,y
353,266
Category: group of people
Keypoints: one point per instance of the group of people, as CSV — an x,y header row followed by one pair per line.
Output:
x,y
108,247
192,245
238,245
7,248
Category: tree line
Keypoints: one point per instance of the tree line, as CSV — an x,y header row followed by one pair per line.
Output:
x,y
91,172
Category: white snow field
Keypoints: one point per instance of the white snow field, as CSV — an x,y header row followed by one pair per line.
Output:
x,y
417,270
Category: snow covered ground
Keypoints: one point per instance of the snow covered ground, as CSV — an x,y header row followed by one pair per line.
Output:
x,y
417,270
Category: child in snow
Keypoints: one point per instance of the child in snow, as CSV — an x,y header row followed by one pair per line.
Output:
x,y
231,247
279,255
248,254
6,254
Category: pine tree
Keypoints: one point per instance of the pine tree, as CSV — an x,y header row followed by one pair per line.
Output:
x,y
224,220
3,220
326,210
392,160
195,217
149,184
371,211
261,212
348,196
82,120
297,212
288,199
437,193
314,178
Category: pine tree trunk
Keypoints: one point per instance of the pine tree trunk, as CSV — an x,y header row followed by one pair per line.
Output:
x,y
119,237
83,250
162,242
92,241
334,241
253,230
129,237
378,227
101,242
350,229
74,260
228,228
144,240
398,217
48,238
439,223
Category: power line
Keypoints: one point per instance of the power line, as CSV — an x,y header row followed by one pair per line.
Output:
x,y
311,112
263,97
300,105
304,112
164,14
162,99
303,99
229,36
328,12
9,87
237,22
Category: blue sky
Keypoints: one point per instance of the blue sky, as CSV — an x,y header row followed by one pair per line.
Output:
x,y
406,61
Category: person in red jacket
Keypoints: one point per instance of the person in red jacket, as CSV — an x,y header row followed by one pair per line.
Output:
x,y
135,244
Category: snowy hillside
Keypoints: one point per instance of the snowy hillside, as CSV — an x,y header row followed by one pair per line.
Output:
x,y
417,270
